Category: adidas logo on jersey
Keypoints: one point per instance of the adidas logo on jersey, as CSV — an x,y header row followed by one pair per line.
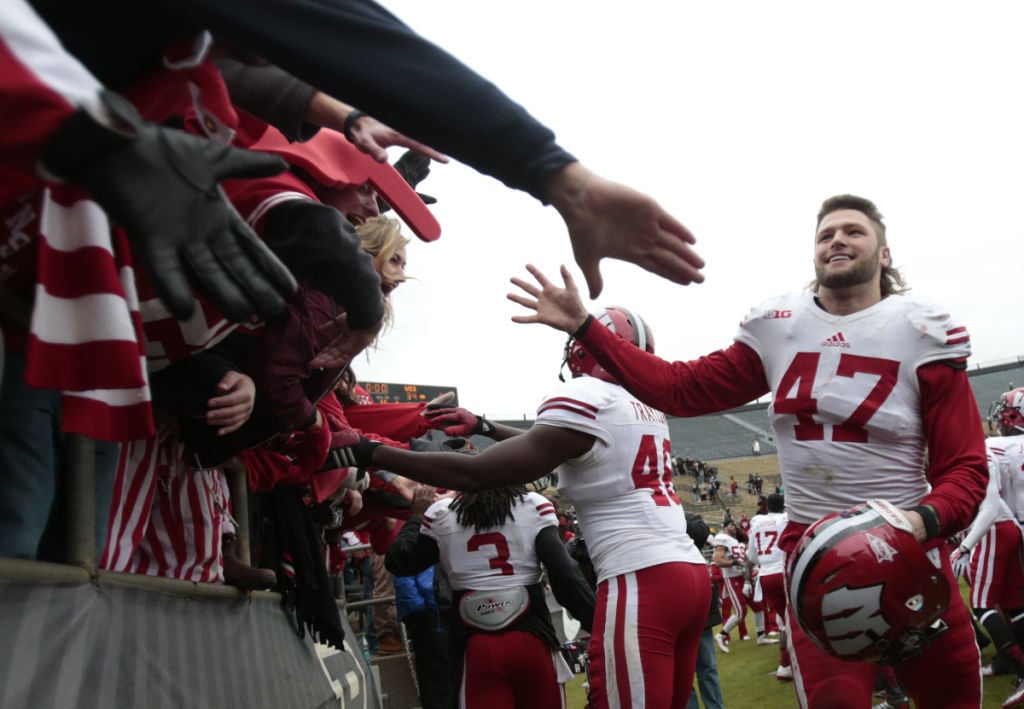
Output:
x,y
837,340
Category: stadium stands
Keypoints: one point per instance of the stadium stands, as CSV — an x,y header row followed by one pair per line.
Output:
x,y
729,434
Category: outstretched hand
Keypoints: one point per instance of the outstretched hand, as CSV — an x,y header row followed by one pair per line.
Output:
x,y
610,220
560,308
458,422
367,133
371,137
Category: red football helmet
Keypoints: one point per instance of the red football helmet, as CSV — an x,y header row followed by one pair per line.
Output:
x,y
1007,414
624,323
863,588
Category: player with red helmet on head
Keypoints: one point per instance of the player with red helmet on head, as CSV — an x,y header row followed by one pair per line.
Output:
x,y
613,456
626,324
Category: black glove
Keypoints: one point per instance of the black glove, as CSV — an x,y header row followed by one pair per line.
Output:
x,y
323,251
414,168
355,455
162,186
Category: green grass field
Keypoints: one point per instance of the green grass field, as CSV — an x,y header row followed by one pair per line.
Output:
x,y
747,675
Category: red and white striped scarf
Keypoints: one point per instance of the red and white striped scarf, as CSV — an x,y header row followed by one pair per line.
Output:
x,y
86,330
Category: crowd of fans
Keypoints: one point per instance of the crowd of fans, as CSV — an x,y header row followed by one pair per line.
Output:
x,y
195,253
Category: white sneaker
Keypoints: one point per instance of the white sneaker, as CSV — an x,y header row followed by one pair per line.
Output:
x,y
773,633
784,674
1017,697
765,640
720,642
987,671
893,703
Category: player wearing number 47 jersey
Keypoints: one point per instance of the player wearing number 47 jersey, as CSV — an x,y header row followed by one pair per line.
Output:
x,y
613,457
870,400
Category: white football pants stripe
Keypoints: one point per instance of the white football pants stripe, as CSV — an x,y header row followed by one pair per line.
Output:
x,y
631,675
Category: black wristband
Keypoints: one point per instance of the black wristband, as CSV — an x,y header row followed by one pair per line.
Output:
x,y
350,121
483,427
582,329
930,518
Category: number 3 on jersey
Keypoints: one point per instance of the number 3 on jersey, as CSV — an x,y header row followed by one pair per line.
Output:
x,y
652,470
794,395
500,559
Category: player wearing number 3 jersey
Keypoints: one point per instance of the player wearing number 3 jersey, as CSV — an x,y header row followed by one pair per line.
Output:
x,y
614,460
491,545
870,400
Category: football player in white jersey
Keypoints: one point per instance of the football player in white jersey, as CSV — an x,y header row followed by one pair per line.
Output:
x,y
763,550
870,400
613,456
994,542
491,545
730,557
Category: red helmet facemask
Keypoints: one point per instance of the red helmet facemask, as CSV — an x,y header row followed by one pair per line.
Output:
x,y
623,322
863,588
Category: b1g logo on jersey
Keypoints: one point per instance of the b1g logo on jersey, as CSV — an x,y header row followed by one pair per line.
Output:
x,y
776,314
851,620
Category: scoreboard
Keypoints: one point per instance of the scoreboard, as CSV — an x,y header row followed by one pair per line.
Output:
x,y
388,393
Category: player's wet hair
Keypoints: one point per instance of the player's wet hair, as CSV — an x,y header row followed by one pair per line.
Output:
x,y
487,509
892,279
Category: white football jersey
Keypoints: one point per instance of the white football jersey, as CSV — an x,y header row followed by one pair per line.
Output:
x,y
845,407
765,531
1006,461
734,548
492,559
622,487
999,494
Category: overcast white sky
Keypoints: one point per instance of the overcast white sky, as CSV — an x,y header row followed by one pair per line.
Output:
x,y
740,118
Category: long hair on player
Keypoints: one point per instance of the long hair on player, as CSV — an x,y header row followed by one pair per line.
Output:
x,y
892,281
487,509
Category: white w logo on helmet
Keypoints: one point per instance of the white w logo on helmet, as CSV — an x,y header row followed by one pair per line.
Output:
x,y
847,616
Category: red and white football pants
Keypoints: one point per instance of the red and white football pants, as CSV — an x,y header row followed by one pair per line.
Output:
x,y
647,628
